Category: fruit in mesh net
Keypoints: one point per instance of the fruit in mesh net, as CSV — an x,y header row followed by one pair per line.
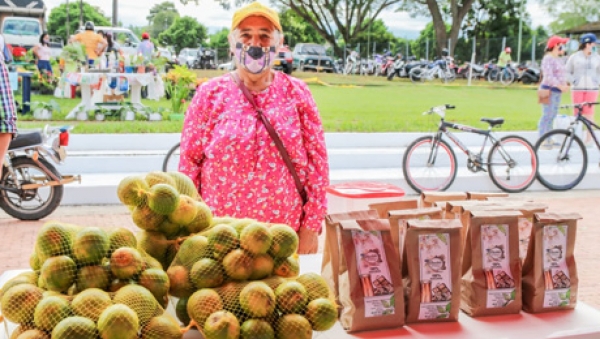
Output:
x,y
256,329
156,177
149,262
257,299
239,224
162,327
222,239
54,239
225,220
22,278
91,303
170,255
163,199
117,284
155,244
193,249
207,273
147,219
132,191
31,334
222,325
157,282
50,311
202,220
90,246
287,268
315,285
118,321
321,314
262,267
58,273
75,327
34,262
285,241
121,237
184,184
185,212
238,264
202,304
179,278
293,326
255,238
181,311
126,263
230,295
291,297
170,229
139,299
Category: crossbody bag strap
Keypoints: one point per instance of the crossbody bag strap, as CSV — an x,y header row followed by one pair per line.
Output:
x,y
271,130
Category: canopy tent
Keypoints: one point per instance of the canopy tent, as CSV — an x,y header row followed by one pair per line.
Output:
x,y
590,27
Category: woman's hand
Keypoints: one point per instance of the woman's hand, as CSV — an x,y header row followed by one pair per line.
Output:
x,y
309,241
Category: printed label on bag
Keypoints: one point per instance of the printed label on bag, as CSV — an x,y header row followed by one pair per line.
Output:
x,y
436,282
557,279
499,279
374,273
525,225
404,226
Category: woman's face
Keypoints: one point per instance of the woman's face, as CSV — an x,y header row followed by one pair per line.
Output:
x,y
256,31
255,43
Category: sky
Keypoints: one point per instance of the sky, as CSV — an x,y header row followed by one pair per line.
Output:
x,y
210,14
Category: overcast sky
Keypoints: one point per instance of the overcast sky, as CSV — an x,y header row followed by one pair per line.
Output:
x,y
210,14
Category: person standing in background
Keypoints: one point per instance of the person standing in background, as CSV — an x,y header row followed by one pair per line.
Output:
x,y
554,79
146,47
8,112
42,53
94,43
504,58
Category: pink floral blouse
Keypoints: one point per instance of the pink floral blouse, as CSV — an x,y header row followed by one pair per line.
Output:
x,y
229,154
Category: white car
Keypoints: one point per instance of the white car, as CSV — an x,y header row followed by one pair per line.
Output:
x,y
187,56
229,66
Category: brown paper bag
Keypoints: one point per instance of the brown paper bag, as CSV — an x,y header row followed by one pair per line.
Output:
x,y
383,208
370,288
331,253
432,270
491,268
550,281
398,220
428,198
485,195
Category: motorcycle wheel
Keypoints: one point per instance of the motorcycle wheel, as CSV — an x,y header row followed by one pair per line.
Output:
x,y
20,206
416,75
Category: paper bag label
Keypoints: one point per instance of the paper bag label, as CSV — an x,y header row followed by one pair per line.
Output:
x,y
499,279
557,279
404,226
525,225
374,274
436,276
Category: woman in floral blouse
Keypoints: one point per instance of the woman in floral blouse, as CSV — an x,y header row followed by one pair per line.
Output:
x,y
227,150
554,78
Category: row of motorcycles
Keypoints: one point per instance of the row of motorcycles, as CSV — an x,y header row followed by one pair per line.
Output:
x,y
205,59
526,73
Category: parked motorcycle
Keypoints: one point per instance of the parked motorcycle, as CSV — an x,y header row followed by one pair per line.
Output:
x,y
205,59
530,75
352,63
437,69
31,188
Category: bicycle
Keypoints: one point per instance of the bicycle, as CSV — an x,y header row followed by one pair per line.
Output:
x,y
505,75
171,161
429,163
565,169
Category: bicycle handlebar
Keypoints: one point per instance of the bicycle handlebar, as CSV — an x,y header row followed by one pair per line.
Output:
x,y
581,105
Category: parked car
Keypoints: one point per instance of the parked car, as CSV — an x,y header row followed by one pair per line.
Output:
x,y
21,31
56,47
187,56
228,66
284,60
312,57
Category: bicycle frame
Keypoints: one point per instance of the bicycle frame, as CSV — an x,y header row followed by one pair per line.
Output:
x,y
590,125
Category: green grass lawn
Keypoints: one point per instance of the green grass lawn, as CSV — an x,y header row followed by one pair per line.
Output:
x,y
361,104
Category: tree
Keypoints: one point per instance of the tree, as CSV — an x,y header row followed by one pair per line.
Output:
x,y
379,35
161,22
219,41
57,20
185,32
572,13
166,6
297,30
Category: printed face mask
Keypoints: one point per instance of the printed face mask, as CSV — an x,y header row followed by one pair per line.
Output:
x,y
255,59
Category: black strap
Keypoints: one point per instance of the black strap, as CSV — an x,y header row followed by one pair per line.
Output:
x,y
284,154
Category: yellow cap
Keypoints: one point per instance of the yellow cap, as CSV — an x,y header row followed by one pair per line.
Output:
x,y
255,9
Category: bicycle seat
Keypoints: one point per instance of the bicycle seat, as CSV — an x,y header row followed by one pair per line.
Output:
x,y
25,140
493,121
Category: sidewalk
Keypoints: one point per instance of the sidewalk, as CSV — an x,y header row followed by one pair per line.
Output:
x,y
18,237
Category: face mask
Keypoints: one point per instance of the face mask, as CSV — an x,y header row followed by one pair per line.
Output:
x,y
46,40
594,49
255,59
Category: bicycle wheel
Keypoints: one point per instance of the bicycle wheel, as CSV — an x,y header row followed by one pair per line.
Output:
x,y
428,166
507,77
171,162
493,75
563,160
512,164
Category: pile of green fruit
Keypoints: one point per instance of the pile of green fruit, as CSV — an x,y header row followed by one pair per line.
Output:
x,y
88,283
167,207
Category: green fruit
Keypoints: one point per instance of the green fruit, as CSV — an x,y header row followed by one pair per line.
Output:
x,y
238,265
207,273
91,303
193,249
262,267
287,268
31,334
118,322
121,237
34,262
132,191
90,246
54,239
179,278
240,224
22,278
149,262
58,273
117,284
155,244
185,212
230,294
202,304
146,219
157,282
315,285
50,311
285,241
291,297
293,326
222,325
257,299
162,327
321,314
256,329
18,304
156,177
222,239
139,299
225,220
170,229
255,238
75,327
181,311
202,220
184,185
125,263
163,199
93,277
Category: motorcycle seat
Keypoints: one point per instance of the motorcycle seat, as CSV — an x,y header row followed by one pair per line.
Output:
x,y
25,140
493,121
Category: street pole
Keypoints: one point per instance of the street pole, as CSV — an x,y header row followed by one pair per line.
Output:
x,y
115,13
68,22
80,12
473,57
520,31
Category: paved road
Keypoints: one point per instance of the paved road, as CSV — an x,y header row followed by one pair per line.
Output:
x,y
18,237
